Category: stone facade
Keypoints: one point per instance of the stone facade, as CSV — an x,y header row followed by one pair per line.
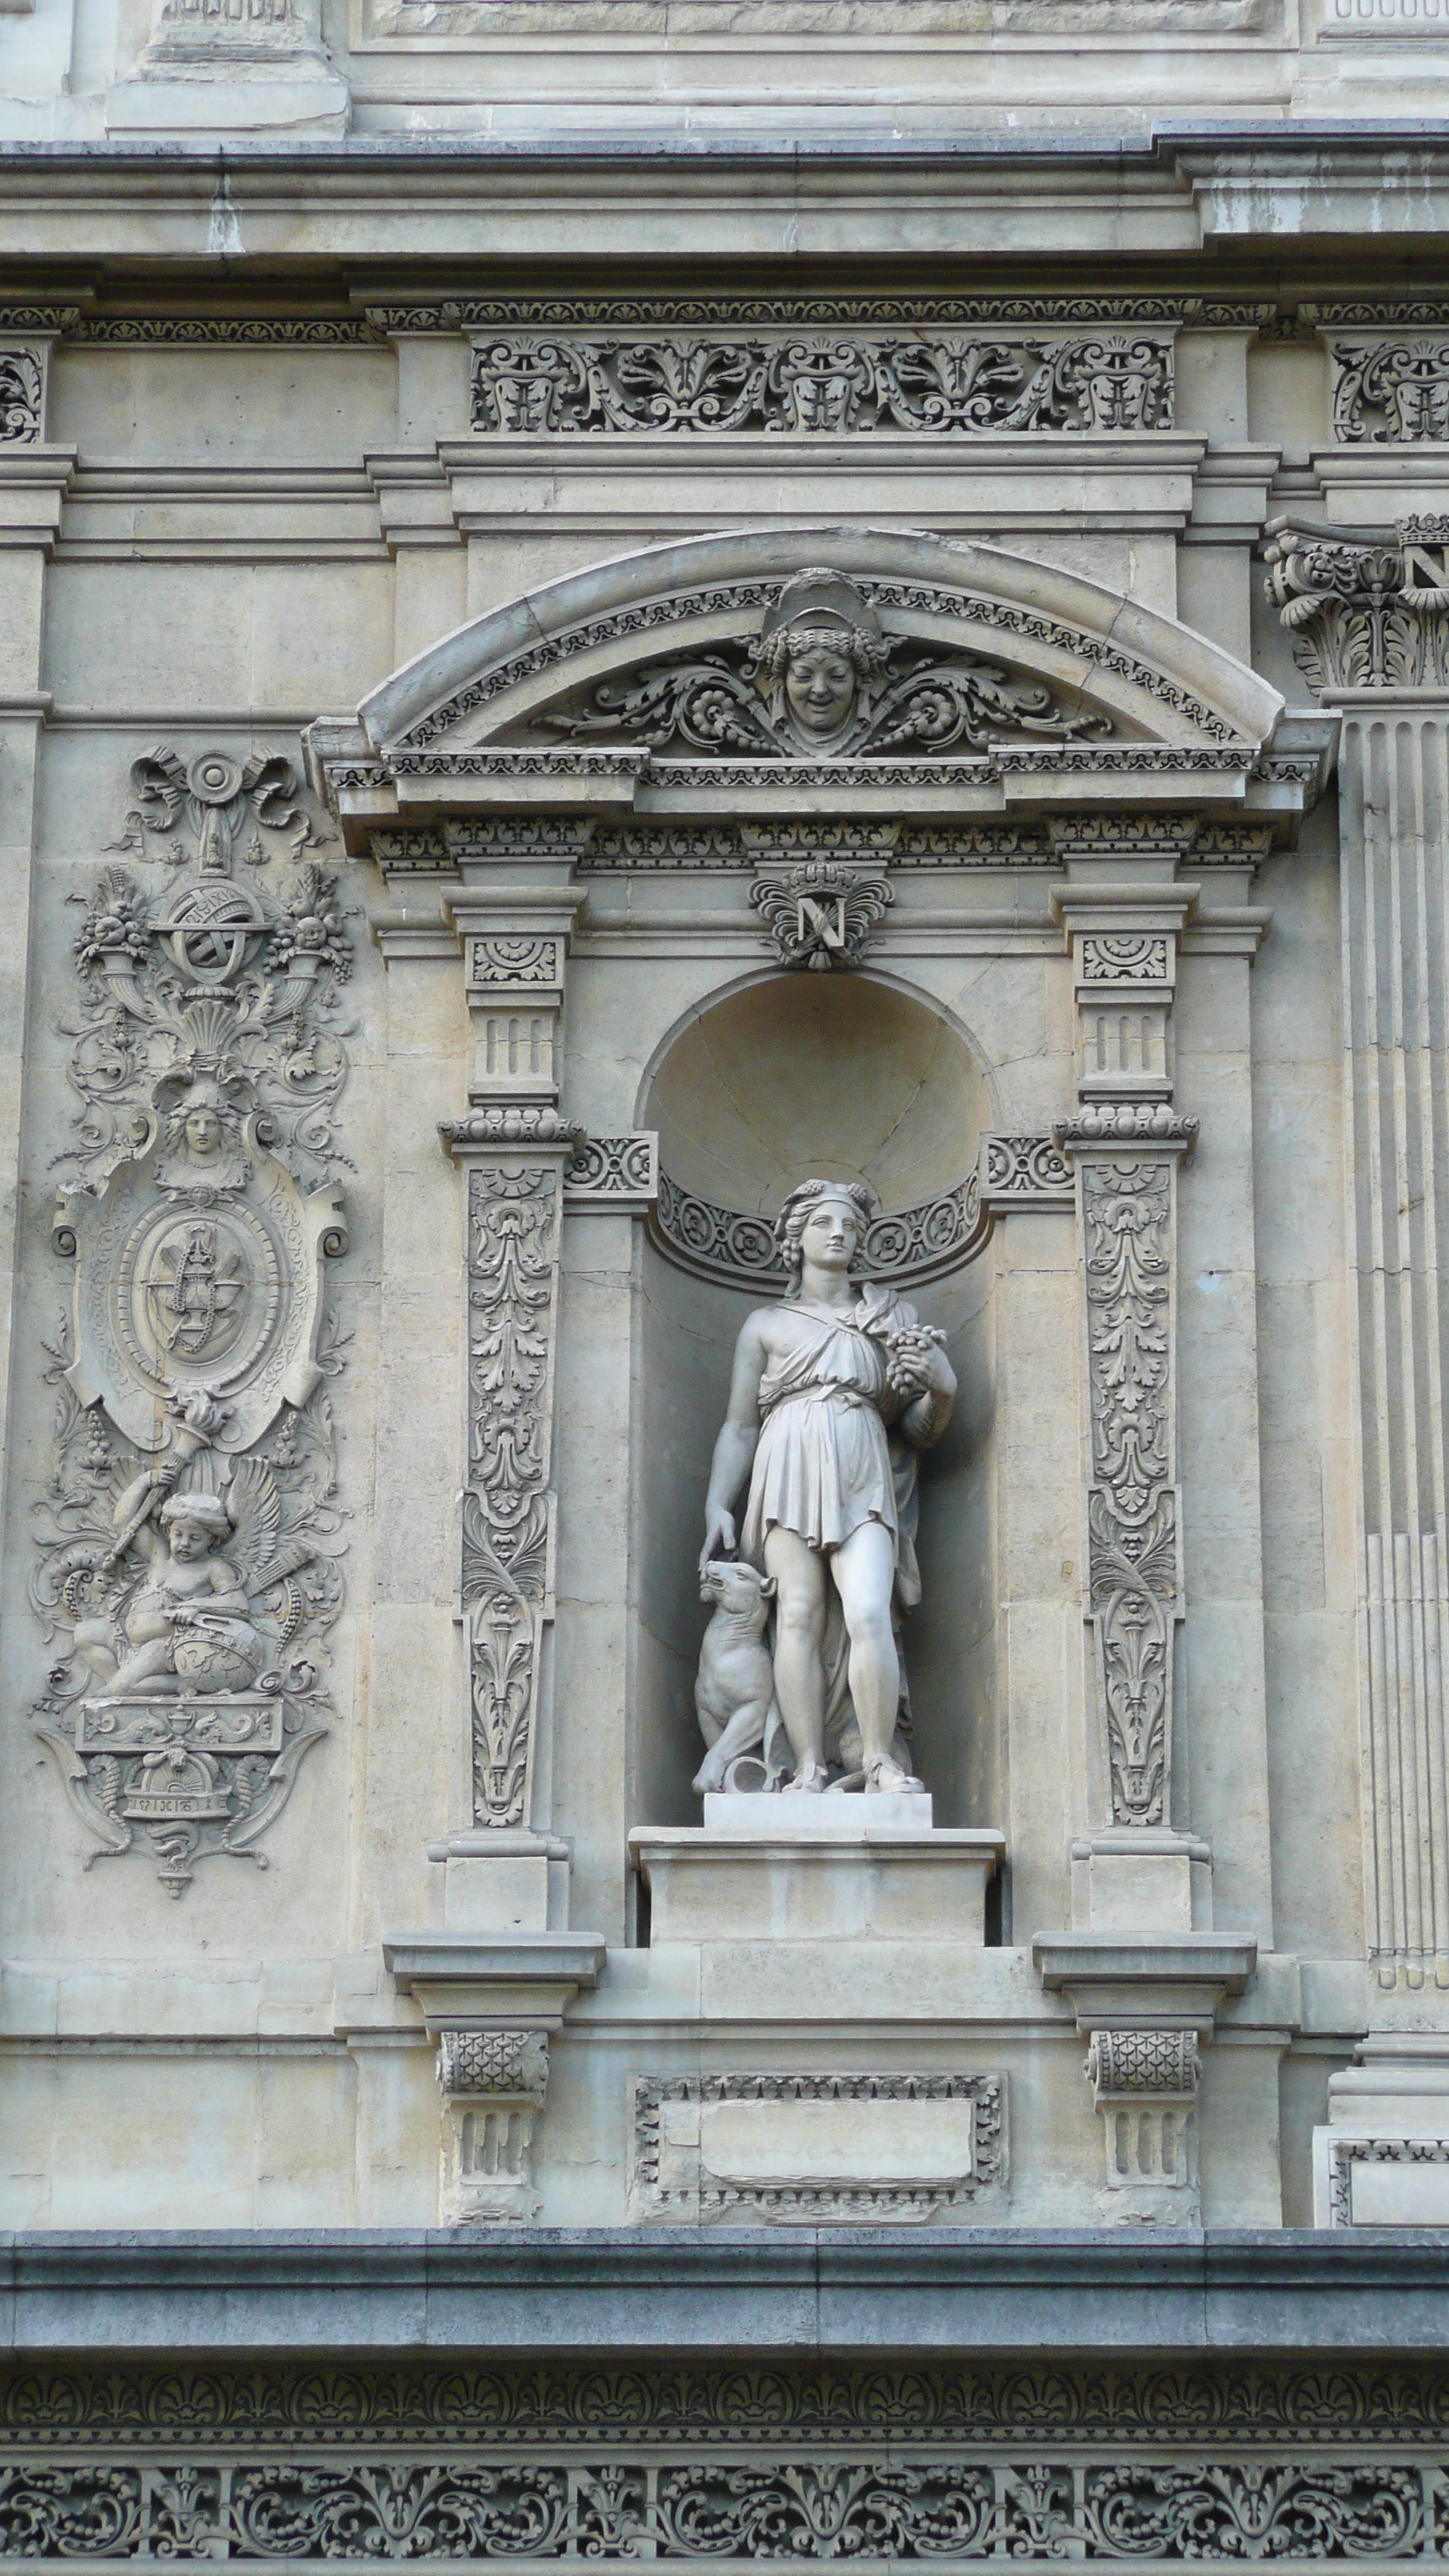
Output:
x,y
725,1569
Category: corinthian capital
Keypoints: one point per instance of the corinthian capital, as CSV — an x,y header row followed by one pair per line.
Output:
x,y
1368,608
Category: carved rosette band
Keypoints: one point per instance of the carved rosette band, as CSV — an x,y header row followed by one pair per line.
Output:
x,y
736,1248
515,1160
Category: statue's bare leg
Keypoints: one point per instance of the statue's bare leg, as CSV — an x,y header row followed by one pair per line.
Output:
x,y
147,1666
864,1570
95,1644
799,1574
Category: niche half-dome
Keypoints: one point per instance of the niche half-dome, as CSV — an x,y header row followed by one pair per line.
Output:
x,y
798,1074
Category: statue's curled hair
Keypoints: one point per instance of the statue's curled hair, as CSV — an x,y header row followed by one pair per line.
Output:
x,y
796,1212
866,654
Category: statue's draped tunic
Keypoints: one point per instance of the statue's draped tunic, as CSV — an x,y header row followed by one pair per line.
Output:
x,y
825,1464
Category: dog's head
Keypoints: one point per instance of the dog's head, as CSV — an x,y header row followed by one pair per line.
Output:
x,y
738,1588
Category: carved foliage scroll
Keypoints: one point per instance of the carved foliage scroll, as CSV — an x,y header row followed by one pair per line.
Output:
x,y
514,1206
22,396
1132,1510
1391,391
830,384
730,699
186,1568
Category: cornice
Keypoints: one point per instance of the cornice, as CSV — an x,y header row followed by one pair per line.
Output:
x,y
928,197
639,2289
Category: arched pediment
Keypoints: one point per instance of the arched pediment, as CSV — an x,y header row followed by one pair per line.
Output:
x,y
843,660
1097,653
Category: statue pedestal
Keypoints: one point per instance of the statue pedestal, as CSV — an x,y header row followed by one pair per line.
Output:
x,y
842,1814
783,1879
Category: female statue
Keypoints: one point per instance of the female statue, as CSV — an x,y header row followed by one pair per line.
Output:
x,y
819,1380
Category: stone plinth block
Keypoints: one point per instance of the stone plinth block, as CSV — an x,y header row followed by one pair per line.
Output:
x,y
1383,2159
800,1811
866,1881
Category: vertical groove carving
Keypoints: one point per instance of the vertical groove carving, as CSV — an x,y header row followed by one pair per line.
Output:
x,y
1395,771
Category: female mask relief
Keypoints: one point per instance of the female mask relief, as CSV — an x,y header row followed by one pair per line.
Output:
x,y
822,653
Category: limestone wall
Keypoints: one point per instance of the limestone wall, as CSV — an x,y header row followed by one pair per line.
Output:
x,y
364,592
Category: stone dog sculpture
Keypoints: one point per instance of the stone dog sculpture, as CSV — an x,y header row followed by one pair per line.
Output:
x,y
835,1391
734,1690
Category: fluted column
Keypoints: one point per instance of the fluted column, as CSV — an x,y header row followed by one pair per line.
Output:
x,y
1394,771
1368,615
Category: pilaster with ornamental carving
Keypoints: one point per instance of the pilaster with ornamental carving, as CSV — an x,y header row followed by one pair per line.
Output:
x,y
495,1981
1125,1141
513,915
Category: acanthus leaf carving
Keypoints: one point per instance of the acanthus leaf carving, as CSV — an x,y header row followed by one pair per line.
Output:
x,y
822,679
1391,391
187,1549
1134,1571
1365,615
514,1208
22,397
832,383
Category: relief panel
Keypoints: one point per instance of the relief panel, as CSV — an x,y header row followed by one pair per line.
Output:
x,y
186,1567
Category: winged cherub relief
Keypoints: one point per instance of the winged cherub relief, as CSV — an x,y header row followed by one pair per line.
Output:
x,y
200,1566
822,679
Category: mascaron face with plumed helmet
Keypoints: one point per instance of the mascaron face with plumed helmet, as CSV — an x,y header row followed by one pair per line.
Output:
x,y
822,650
